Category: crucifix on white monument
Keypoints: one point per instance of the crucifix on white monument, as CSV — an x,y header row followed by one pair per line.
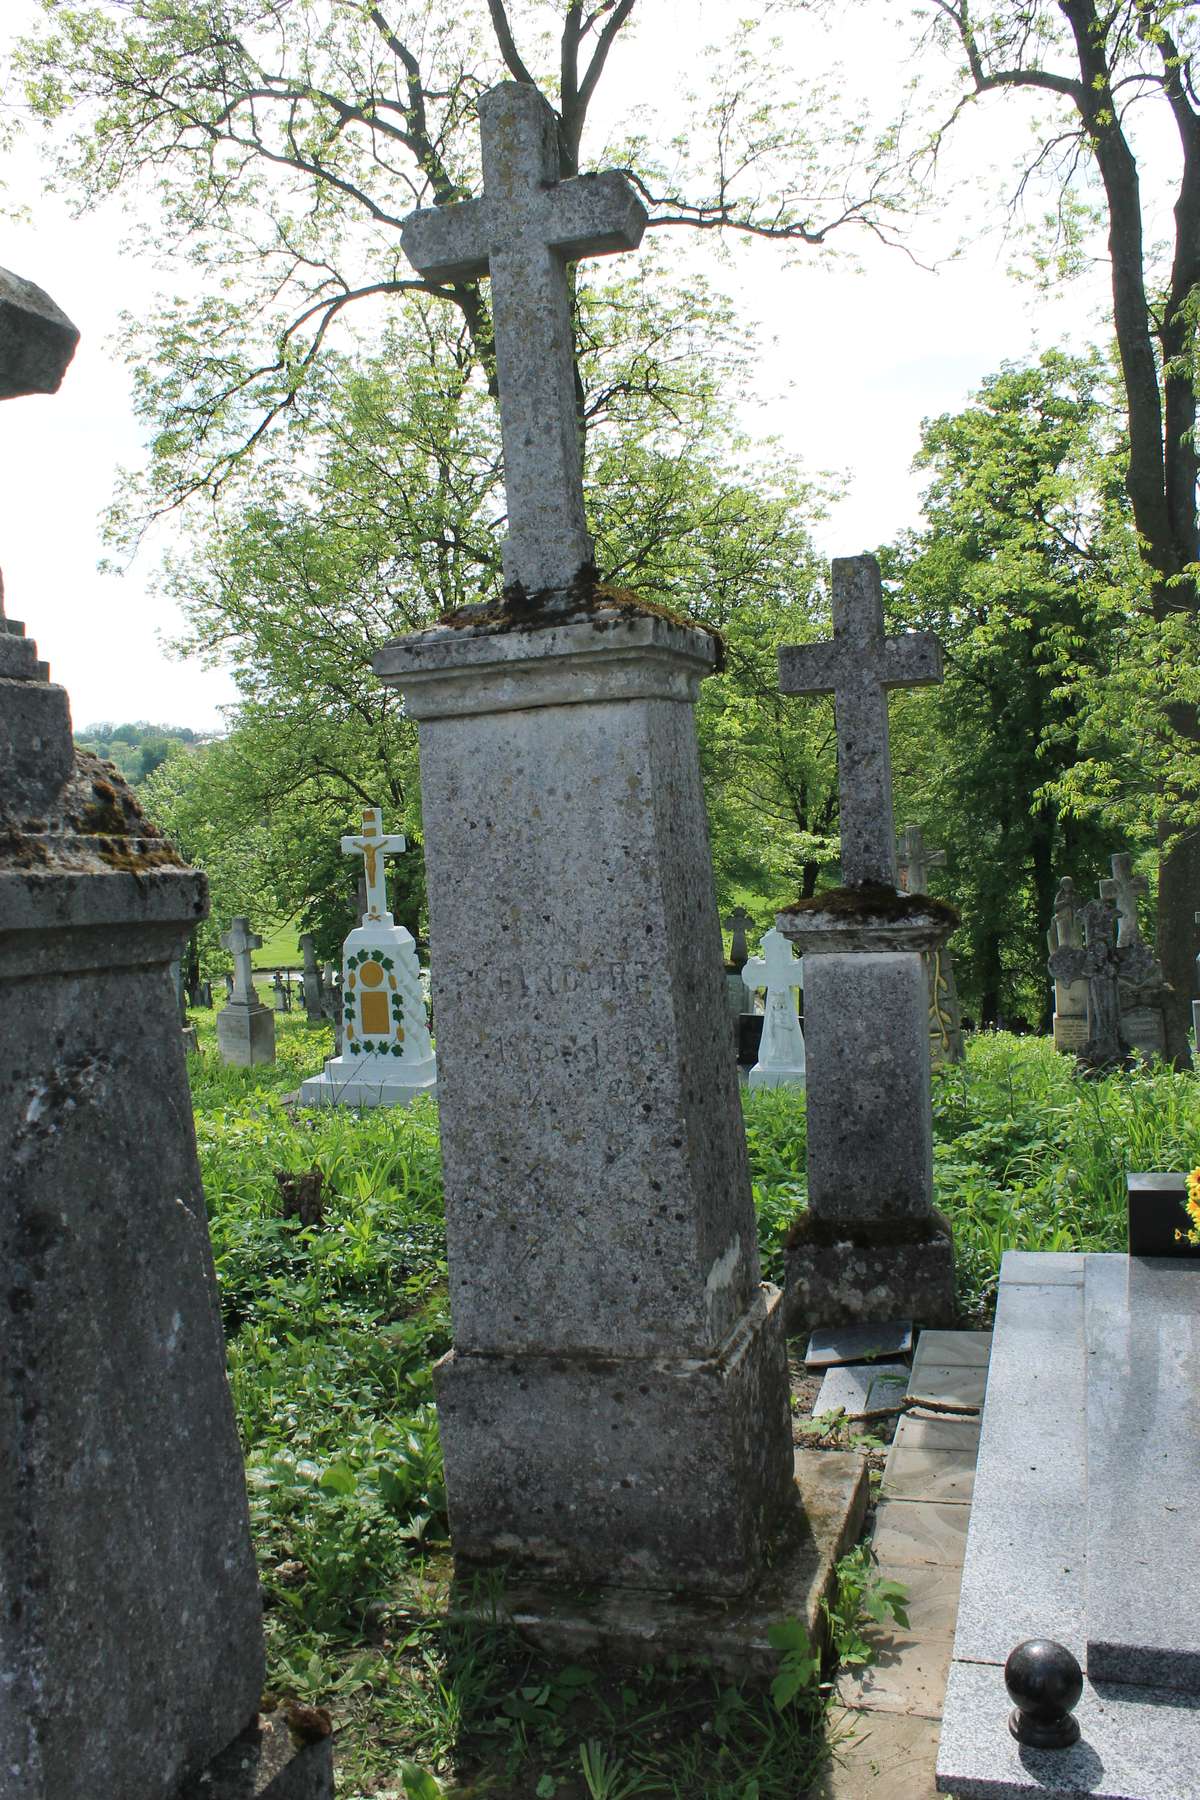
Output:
x,y
239,940
523,231
372,844
859,668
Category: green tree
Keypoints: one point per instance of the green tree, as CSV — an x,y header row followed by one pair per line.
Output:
x,y
1028,571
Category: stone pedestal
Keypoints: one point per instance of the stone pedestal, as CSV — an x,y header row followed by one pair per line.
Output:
x,y
615,1408
246,1033
871,1244
387,1058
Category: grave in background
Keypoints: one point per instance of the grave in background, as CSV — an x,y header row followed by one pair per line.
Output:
x,y
945,1019
779,971
245,1027
1070,995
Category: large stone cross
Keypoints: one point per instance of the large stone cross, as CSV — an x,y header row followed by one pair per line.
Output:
x,y
736,923
1124,889
778,969
916,861
859,668
523,231
239,940
373,846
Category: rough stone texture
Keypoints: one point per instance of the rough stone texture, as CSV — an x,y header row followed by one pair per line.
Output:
x,y
523,231
598,1203
851,1279
267,1762
246,1034
35,744
130,1636
859,668
1106,967
37,340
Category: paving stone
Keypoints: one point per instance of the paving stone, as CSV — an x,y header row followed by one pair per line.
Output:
x,y
858,1343
863,1390
913,1532
941,1475
938,1431
957,1387
879,1756
932,1603
908,1676
1044,1268
954,1349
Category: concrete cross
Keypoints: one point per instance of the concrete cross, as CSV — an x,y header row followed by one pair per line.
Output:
x,y
916,861
373,846
778,969
737,922
1124,889
859,668
239,940
523,231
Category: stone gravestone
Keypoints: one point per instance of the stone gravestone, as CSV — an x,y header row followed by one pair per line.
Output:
x,y
1070,997
614,1412
178,989
739,997
313,990
386,1058
1143,998
1103,964
945,1019
781,1052
871,1245
282,992
245,1027
131,1652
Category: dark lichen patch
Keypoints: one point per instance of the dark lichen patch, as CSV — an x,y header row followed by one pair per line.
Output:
x,y
98,825
874,900
586,598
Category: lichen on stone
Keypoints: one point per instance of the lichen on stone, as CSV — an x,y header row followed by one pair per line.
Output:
x,y
97,825
874,900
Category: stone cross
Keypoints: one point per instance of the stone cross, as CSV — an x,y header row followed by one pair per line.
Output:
x,y
1124,889
859,668
916,861
1098,963
737,922
239,940
523,231
373,846
780,971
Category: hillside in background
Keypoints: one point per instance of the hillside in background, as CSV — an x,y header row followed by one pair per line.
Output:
x,y
138,749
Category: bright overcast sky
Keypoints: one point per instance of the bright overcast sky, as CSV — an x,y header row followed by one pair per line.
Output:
x,y
852,363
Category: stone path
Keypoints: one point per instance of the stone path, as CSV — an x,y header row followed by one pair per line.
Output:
x,y
886,1719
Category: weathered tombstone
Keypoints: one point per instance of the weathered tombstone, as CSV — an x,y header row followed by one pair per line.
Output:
x,y
385,1058
1142,995
228,978
206,995
131,1653
282,992
739,997
871,1244
781,1050
736,925
1070,997
245,1027
313,992
614,1412
945,1020
1103,965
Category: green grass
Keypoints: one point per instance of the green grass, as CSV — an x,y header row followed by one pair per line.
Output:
x,y
280,949
331,1336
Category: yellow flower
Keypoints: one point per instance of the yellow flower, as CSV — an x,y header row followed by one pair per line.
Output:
x,y
1192,1206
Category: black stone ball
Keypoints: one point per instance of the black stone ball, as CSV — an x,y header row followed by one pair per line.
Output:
x,y
1045,1683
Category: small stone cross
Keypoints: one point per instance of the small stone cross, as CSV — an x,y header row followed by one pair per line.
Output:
x,y
523,231
859,668
239,940
916,861
373,846
737,922
1124,889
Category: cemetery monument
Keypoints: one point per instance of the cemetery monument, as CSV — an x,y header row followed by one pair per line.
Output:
x,y
245,1027
131,1649
614,1411
1070,997
385,1058
1104,963
781,1051
871,1244
1142,989
945,1021
314,992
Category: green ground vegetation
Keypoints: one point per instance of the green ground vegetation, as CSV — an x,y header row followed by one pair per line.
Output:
x,y
332,1332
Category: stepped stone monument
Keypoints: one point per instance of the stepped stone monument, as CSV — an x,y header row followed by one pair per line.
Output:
x,y
1070,997
245,1027
131,1651
1105,964
1142,989
871,1245
781,1051
614,1412
385,1057
945,1018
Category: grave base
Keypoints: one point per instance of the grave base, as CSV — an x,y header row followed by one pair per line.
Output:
x,y
246,1035
639,1626
368,1081
883,1270
267,1762
770,1078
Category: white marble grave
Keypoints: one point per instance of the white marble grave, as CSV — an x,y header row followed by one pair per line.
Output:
x,y
386,1057
781,1052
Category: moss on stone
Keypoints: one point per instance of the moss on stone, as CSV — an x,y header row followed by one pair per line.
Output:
x,y
99,825
874,900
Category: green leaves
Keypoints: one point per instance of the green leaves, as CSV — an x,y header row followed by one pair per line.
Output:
x,y
799,1667
419,1784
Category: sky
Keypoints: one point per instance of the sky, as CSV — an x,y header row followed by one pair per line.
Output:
x,y
851,363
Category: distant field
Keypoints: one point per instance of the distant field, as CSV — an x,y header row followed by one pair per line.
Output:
x,y
281,950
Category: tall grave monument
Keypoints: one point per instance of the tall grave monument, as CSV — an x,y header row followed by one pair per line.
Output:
x,y
871,1245
131,1652
614,1411
385,1058
245,1027
945,1021
1070,997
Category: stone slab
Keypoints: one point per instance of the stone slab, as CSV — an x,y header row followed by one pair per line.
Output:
x,y
1041,1268
954,1387
954,1349
863,1390
636,1625
931,1605
267,1762
938,1431
919,1474
246,1035
332,1089
1135,1744
1143,1471
858,1343
879,1756
908,1675
915,1532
